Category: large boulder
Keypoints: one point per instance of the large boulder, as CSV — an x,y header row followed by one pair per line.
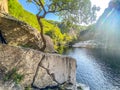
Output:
x,y
18,33
39,69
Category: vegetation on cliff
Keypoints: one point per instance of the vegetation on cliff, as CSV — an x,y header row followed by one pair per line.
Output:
x,y
16,10
13,76
62,33
63,9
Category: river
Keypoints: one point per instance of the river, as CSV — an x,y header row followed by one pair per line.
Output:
x,y
96,68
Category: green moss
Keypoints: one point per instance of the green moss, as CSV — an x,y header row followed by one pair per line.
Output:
x,y
13,75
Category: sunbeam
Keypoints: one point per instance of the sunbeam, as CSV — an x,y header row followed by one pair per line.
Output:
x,y
108,28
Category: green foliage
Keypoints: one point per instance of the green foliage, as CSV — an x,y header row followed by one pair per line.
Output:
x,y
50,27
59,39
13,75
16,10
73,11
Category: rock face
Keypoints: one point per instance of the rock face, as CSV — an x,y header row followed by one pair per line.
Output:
x,y
18,33
39,69
10,86
4,6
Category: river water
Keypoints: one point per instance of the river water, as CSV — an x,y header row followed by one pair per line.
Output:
x,y
96,68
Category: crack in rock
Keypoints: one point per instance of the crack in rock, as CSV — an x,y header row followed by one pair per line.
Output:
x,y
37,71
52,75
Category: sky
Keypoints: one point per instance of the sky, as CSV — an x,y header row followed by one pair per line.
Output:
x,y
101,3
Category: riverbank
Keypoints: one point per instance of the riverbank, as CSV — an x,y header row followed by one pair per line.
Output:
x,y
85,44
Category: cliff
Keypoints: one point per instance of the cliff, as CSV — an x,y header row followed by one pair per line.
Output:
x,y
18,33
23,65
39,69
21,58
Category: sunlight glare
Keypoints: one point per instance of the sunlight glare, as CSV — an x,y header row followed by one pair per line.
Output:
x,y
102,4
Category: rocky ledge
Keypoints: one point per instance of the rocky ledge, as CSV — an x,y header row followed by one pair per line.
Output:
x,y
39,69
19,33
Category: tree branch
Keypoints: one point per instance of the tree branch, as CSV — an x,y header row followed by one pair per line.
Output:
x,y
36,2
42,6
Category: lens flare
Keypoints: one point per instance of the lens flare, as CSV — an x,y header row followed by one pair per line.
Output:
x,y
108,30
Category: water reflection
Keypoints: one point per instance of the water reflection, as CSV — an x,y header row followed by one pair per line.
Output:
x,y
96,68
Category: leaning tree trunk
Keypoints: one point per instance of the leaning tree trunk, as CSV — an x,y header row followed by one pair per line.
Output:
x,y
41,33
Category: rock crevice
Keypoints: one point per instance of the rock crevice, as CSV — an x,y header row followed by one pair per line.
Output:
x,y
39,69
50,74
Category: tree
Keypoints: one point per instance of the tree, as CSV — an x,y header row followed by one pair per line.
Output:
x,y
69,10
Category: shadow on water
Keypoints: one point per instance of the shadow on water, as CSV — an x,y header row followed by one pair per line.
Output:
x,y
100,68
111,62
96,68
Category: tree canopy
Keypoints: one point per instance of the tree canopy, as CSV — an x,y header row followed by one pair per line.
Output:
x,y
72,11
79,11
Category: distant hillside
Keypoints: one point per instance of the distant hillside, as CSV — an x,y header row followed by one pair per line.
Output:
x,y
87,33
